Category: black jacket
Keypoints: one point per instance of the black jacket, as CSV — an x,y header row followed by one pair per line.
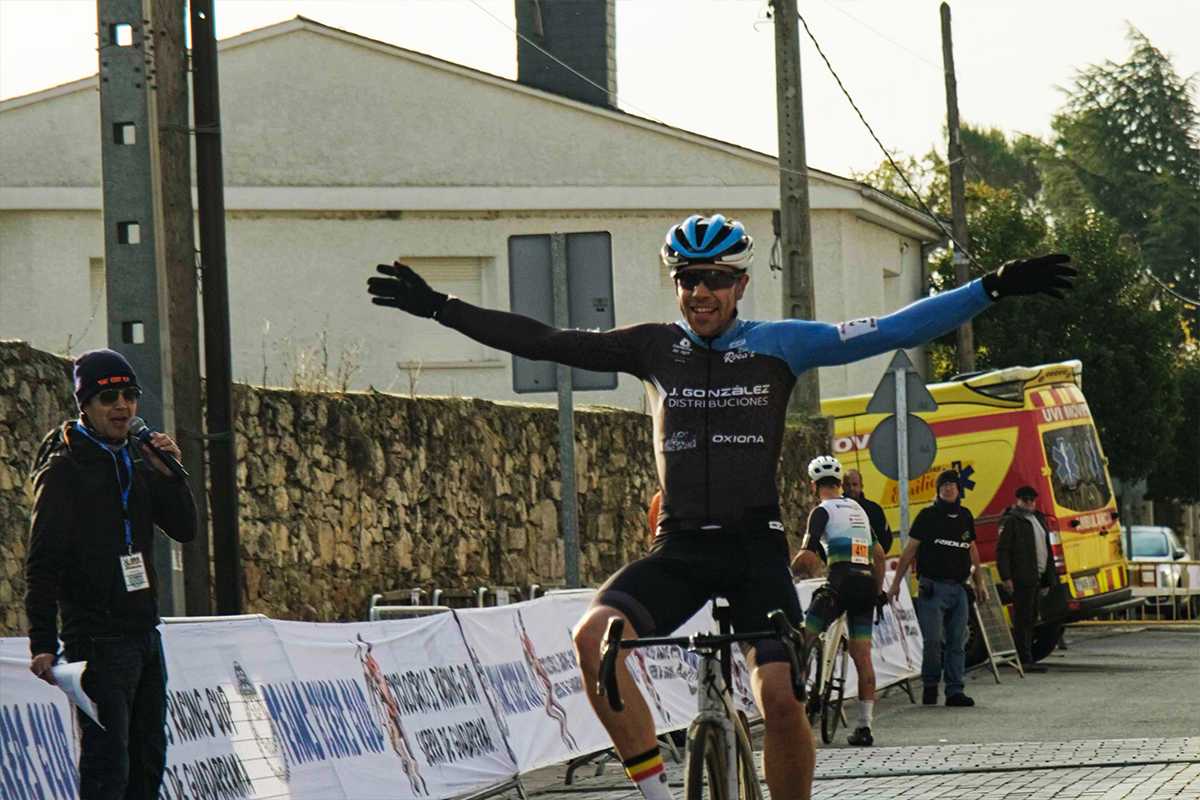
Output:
x,y
1016,552
77,535
879,523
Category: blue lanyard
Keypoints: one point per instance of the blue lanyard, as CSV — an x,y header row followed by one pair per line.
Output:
x,y
125,486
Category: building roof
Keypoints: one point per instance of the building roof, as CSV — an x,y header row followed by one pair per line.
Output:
x,y
828,190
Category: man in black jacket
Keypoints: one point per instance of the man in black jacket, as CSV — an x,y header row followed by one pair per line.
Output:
x,y
97,499
1025,565
853,486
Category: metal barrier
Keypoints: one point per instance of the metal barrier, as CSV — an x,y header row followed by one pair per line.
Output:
x,y
1171,588
380,609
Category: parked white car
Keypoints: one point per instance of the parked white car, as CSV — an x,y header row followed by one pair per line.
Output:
x,y
1158,544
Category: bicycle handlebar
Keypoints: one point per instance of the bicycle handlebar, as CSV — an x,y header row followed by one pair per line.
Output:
x,y
611,646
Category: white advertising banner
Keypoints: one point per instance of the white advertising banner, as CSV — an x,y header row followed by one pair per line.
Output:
x,y
389,709
528,659
221,738
38,745
420,709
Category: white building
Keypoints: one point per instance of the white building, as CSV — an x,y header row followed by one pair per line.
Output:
x,y
342,152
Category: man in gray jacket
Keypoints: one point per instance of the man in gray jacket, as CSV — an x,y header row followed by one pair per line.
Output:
x,y
1026,566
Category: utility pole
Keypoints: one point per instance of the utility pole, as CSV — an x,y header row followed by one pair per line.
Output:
x,y
218,372
134,228
958,200
178,246
795,227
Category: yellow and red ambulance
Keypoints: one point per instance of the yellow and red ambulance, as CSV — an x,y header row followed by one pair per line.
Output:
x,y
1001,430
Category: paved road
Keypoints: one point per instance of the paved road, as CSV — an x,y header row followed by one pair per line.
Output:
x,y
1111,683
1117,717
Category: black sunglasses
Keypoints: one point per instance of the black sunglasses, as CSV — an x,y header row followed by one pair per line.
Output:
x,y
109,396
714,279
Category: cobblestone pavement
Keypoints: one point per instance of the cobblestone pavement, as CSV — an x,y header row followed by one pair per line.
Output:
x,y
1122,769
1135,674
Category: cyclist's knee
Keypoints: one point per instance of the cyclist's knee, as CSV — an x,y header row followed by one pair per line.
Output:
x,y
779,703
588,635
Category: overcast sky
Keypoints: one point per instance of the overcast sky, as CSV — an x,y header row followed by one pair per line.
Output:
x,y
708,65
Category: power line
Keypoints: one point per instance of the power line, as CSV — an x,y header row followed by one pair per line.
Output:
x,y
1166,288
924,207
612,95
884,36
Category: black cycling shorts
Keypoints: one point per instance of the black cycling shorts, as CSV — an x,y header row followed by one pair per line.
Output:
x,y
685,569
854,594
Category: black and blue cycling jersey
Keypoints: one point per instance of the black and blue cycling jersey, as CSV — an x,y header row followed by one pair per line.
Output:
x,y
719,405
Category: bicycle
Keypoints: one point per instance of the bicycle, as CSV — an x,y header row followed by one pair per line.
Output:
x,y
825,678
827,668
718,738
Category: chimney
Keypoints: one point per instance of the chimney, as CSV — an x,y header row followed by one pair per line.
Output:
x,y
581,33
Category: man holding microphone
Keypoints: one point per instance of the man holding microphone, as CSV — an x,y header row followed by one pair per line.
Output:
x,y
98,495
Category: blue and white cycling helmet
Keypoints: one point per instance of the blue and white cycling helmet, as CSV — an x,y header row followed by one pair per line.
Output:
x,y
707,240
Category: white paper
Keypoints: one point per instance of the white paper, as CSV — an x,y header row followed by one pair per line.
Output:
x,y
69,678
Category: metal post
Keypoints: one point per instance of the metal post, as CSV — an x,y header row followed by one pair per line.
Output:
x,y
210,187
566,417
958,201
133,229
799,300
902,450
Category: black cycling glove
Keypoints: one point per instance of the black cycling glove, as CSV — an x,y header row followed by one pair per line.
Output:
x,y
1049,274
406,290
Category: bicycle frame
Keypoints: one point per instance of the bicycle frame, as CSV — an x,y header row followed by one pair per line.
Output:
x,y
714,695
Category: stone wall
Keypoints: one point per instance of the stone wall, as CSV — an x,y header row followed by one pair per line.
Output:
x,y
344,495
35,395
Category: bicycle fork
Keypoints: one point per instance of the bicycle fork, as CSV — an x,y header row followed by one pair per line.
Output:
x,y
716,706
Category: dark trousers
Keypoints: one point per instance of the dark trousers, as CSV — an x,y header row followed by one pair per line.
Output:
x,y
127,679
1024,617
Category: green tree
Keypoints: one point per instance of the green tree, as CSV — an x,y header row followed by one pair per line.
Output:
x,y
1177,473
994,159
1127,142
1113,321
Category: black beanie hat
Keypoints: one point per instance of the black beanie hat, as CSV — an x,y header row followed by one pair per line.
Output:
x,y
97,370
949,476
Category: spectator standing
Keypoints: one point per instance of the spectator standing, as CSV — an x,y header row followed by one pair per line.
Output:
x,y
853,485
98,496
942,540
1026,568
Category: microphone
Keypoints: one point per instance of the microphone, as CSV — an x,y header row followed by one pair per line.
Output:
x,y
142,432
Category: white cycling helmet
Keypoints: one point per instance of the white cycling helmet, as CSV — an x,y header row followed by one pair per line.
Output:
x,y
825,467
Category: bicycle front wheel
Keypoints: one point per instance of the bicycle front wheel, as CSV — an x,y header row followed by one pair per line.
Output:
x,y
835,691
705,777
748,786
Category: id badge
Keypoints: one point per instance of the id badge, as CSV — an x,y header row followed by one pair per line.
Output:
x,y
133,569
859,553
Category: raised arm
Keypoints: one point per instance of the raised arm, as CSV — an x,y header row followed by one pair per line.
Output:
x,y
617,350
805,344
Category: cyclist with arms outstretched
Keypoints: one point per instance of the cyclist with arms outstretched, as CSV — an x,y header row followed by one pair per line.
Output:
x,y
718,388
855,580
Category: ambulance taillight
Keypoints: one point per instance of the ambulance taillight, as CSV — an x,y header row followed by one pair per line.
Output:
x,y
1056,549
